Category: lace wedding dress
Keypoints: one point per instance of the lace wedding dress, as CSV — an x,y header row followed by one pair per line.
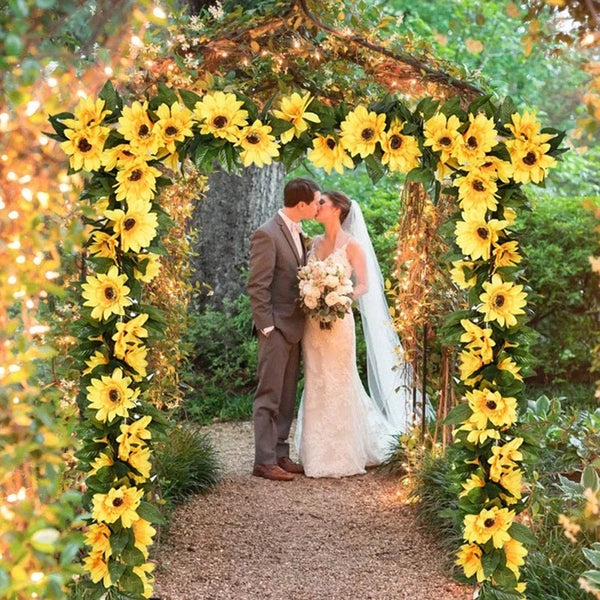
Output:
x,y
340,430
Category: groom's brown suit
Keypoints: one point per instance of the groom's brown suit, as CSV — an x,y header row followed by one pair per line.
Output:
x,y
273,291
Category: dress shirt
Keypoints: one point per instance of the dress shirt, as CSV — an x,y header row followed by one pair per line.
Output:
x,y
295,228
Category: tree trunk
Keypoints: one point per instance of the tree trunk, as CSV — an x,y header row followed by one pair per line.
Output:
x,y
233,208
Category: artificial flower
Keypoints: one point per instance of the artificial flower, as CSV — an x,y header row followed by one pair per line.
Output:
x,y
506,254
508,364
526,127
441,133
151,267
491,407
143,532
121,503
101,461
138,129
88,113
98,537
512,481
475,235
118,156
478,435
361,130
400,152
221,115
106,293
135,357
104,245
174,124
84,147
258,146
136,181
293,110
97,359
502,301
111,396
133,436
129,332
457,274
489,524
97,565
140,461
329,154
480,137
529,160
144,572
476,192
478,340
469,363
474,482
469,558
135,227
515,552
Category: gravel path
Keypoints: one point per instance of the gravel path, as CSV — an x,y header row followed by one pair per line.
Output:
x,y
309,539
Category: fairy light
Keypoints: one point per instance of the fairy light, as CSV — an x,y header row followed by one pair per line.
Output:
x,y
52,275
136,41
52,82
81,94
13,215
43,140
32,108
27,194
36,577
4,117
64,188
11,176
108,71
159,13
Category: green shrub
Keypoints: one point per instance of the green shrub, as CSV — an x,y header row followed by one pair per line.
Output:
x,y
186,464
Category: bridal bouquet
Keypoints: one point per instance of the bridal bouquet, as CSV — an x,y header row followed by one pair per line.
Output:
x,y
325,291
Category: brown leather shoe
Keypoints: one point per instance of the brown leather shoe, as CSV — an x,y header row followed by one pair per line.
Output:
x,y
274,472
287,464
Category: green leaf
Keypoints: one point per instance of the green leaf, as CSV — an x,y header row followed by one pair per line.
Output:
x,y
165,95
459,414
132,583
592,555
590,479
112,100
375,170
490,561
116,569
189,98
522,534
119,540
150,512
133,556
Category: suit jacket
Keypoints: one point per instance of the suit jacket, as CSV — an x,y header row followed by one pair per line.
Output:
x,y
273,282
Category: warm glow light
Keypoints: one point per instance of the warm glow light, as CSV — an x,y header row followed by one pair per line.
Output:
x,y
136,41
108,71
43,198
52,81
588,39
64,187
12,280
38,329
20,259
43,140
15,244
13,214
32,108
159,13
3,121
11,176
37,577
52,275
27,194
81,94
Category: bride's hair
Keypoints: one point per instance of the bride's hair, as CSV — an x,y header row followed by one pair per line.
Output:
x,y
340,200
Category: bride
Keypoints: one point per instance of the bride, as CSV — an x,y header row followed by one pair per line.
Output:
x,y
340,429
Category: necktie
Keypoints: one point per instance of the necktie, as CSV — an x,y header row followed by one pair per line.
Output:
x,y
296,229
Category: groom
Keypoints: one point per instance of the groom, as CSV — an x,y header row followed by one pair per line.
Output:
x,y
277,251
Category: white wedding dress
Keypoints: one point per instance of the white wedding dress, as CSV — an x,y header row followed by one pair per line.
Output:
x,y
340,430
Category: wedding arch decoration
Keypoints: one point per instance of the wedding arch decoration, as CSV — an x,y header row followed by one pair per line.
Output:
x,y
480,155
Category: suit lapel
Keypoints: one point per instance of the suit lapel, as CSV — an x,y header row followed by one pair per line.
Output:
x,y
288,236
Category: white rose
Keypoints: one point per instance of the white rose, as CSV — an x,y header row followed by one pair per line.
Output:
x,y
310,302
332,281
332,299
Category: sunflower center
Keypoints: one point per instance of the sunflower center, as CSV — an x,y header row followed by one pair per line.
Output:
x,y
478,185
171,130
445,141
220,121
367,134
486,165
109,293
253,138
489,522
499,301
530,159
144,131
330,144
472,142
395,142
491,404
118,502
129,223
126,153
114,395
84,145
483,233
135,175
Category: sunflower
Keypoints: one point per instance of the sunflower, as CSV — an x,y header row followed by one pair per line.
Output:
x,y
478,340
98,537
293,110
106,293
140,461
400,152
152,266
488,406
135,357
512,482
494,168
97,565
258,146
121,503
506,255
457,274
476,192
104,245
222,115
475,235
136,181
508,454
469,558
111,396
508,364
477,435
329,154
529,160
88,113
527,128
133,436
136,227
101,461
84,147
489,524
120,157
515,552
361,130
469,363
143,532
129,333
442,135
502,301
96,360
174,124
474,482
480,137
139,130
144,572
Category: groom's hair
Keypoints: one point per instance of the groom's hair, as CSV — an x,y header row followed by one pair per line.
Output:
x,y
340,200
299,190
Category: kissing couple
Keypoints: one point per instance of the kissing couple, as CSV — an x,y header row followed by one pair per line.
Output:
x,y
341,429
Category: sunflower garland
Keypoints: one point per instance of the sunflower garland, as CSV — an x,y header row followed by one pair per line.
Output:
x,y
479,155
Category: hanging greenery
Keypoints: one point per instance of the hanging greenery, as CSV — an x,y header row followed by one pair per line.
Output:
x,y
481,155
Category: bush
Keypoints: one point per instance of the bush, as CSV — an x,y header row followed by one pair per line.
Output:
x,y
186,464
